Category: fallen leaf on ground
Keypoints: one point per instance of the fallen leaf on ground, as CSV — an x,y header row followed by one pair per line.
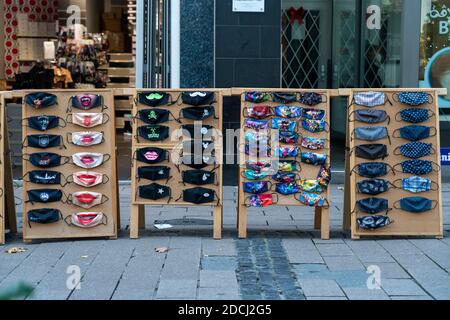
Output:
x,y
16,250
84,257
161,250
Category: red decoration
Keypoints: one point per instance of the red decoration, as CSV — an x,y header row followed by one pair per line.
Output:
x,y
297,14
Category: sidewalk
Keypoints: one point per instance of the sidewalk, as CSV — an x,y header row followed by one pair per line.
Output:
x,y
282,259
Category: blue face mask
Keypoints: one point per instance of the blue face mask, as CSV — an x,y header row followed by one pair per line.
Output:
x,y
373,205
416,184
370,99
257,187
288,112
415,150
415,133
284,124
416,167
255,175
414,115
285,177
288,152
371,133
314,159
415,205
287,189
373,222
413,98
373,187
371,170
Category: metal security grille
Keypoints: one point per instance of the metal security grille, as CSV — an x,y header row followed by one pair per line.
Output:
x,y
375,54
347,72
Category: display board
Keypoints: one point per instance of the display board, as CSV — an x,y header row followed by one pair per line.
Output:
x,y
78,126
393,174
2,170
304,113
160,133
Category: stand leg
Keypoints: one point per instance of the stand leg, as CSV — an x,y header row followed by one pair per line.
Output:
x,y
242,222
218,222
318,219
10,205
134,221
325,217
141,217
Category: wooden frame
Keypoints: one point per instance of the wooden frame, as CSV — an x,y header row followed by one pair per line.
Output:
x,y
428,224
322,214
61,230
137,219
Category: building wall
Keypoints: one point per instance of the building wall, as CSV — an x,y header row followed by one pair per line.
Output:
x,y
2,40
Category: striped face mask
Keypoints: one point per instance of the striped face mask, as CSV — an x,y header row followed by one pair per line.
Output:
x,y
370,99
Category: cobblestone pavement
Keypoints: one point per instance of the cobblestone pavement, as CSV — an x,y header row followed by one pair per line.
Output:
x,y
282,259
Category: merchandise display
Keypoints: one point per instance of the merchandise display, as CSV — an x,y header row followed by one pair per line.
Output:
x,y
395,173
177,152
285,152
2,171
69,167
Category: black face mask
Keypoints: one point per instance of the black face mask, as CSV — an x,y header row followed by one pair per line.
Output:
x,y
44,196
373,187
154,116
154,99
154,173
371,151
44,123
155,192
46,160
44,216
44,177
41,100
199,177
44,141
151,155
154,133
373,205
284,97
198,113
197,162
198,147
198,98
199,131
199,195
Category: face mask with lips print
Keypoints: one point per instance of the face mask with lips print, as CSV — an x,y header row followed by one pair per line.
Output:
x,y
90,160
198,113
373,222
261,200
44,196
44,216
284,97
87,200
88,179
154,99
44,141
257,112
257,97
46,160
85,139
41,100
153,133
88,120
310,98
198,98
86,102
414,99
87,220
370,116
288,112
45,123
44,177
154,173
370,99
415,133
151,155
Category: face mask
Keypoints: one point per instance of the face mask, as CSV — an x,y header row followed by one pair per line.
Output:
x,y
261,200
417,184
373,205
372,187
198,147
87,220
151,155
373,223
288,112
415,150
370,116
310,186
46,160
258,166
370,99
44,216
87,200
155,192
314,126
262,152
154,133
288,137
284,97
416,167
313,143
257,97
85,139
257,112
257,187
413,98
154,173
44,141
44,177
313,114
255,175
257,137
314,159
283,124
256,124
287,189
199,177
198,162
415,205
198,98
89,160
40,100
372,170
89,179
44,196
198,132
310,98
153,99
288,152
371,151
44,123
414,115
287,178
86,102
199,195
371,133
198,113
154,116
288,166
414,133
324,176
88,120
312,200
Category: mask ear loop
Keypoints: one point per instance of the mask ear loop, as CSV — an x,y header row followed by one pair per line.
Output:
x,y
395,136
70,105
437,167
105,199
105,218
106,158
68,137
66,221
176,101
391,168
105,179
107,117
387,100
63,146
395,97
437,187
217,197
432,114
430,98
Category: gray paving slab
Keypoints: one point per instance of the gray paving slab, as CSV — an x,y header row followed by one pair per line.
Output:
x,y
360,294
177,289
321,288
402,287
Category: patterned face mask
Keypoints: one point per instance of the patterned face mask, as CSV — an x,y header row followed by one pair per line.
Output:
x,y
261,151
88,120
255,175
44,196
371,170
313,143
257,137
256,124
415,133
154,99
288,166
46,160
415,205
257,187
310,186
413,98
314,126
153,133
288,152
44,141
324,176
44,123
86,139
287,189
87,220
261,200
198,113
86,102
154,116
370,116
257,97
415,150
257,112
373,187
310,98
40,100
416,167
370,99
288,112
414,115
372,205
371,133
285,177
312,200
314,159
313,114
151,155
284,124
198,98
284,97
258,166
288,137
417,184
373,223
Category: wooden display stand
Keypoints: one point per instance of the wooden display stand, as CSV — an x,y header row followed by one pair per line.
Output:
x,y
137,220
429,224
110,209
322,214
